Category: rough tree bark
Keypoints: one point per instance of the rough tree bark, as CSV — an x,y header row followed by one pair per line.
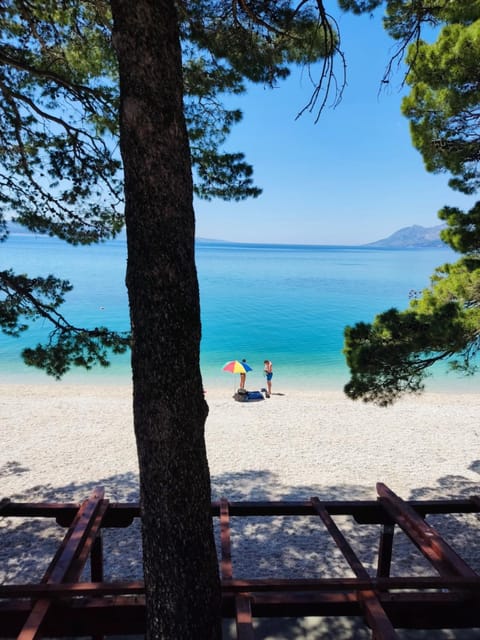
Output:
x,y
181,575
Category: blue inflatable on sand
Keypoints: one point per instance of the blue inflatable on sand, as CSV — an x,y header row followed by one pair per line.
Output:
x,y
242,395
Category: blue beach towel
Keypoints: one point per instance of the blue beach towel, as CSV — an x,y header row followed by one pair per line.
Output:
x,y
248,396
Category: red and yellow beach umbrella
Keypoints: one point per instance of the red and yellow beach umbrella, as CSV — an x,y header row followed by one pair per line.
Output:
x,y
235,366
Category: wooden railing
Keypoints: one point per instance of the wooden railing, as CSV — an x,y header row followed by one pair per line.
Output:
x,y
62,605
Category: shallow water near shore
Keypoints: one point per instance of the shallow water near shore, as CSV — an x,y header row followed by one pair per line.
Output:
x,y
287,303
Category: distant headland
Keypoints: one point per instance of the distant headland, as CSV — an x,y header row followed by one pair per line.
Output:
x,y
414,237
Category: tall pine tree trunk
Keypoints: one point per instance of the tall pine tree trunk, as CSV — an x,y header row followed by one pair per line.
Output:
x,y
180,565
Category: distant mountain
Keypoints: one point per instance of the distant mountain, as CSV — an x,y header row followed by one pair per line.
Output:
x,y
210,240
414,237
17,229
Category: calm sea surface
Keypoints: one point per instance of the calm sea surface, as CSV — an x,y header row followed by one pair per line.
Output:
x,y
289,304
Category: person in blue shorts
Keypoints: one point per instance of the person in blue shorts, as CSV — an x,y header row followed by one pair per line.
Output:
x,y
268,371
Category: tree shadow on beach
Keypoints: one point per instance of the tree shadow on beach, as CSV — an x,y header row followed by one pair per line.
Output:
x,y
28,544
280,546
300,547
12,468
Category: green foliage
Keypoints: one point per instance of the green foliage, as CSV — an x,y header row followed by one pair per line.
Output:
x,y
261,40
76,348
404,20
225,174
443,105
463,230
62,174
33,298
387,357
217,174
21,296
59,104
360,6
224,45
394,353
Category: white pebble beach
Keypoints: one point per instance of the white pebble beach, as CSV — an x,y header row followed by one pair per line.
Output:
x,y
59,441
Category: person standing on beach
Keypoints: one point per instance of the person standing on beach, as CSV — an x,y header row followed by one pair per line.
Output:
x,y
268,371
243,376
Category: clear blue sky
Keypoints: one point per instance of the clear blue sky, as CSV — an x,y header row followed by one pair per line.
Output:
x,y
352,178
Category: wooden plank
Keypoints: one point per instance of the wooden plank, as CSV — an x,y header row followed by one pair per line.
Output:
x,y
31,628
69,589
243,610
74,538
91,531
243,618
364,511
92,547
81,618
121,514
445,560
476,501
100,607
340,540
96,559
376,616
239,585
126,616
385,549
67,560
416,583
226,569
374,612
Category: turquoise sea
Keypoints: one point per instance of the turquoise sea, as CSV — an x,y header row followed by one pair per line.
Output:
x,y
289,304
